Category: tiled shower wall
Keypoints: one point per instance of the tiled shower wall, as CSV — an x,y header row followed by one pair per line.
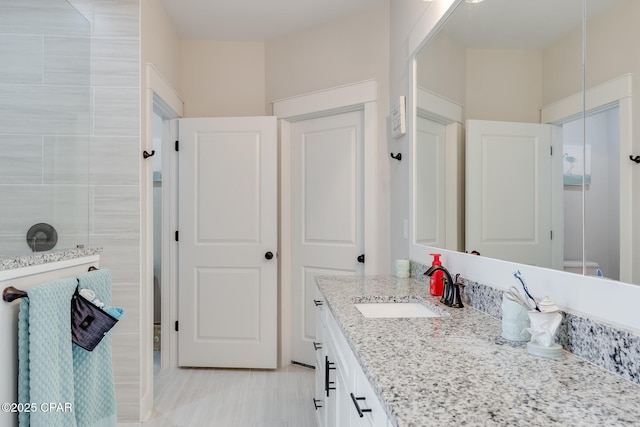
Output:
x,y
84,137
114,177
44,122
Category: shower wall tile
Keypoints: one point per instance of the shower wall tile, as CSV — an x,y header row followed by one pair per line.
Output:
x,y
127,297
114,161
116,111
119,72
65,160
63,126
116,210
58,206
102,47
124,349
45,110
84,7
21,159
128,395
115,62
121,254
41,17
14,245
116,18
66,61
69,240
21,59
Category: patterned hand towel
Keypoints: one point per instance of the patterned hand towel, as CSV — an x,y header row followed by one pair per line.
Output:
x,y
95,397
45,361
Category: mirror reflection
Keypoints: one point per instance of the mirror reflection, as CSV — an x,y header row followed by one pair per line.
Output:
x,y
492,92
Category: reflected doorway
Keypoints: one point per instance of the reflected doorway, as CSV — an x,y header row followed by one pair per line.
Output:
x,y
599,165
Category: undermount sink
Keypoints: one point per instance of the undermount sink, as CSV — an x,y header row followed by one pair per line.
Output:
x,y
396,309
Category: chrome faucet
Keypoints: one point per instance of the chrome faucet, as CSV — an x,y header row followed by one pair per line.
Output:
x,y
451,292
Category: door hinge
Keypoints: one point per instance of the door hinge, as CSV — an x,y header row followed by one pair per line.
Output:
x,y
551,234
177,146
551,150
176,235
176,326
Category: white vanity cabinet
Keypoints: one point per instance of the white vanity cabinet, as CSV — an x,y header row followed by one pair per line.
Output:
x,y
319,395
341,386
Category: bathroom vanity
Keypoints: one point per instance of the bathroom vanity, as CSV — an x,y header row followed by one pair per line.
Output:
x,y
454,369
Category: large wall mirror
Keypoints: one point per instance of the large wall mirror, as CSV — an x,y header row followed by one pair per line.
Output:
x,y
522,137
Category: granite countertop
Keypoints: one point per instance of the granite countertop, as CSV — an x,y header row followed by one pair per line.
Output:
x,y
39,258
457,370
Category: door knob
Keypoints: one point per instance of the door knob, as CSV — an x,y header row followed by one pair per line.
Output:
x,y
361,258
268,255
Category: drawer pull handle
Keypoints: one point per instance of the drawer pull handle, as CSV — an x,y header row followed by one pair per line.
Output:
x,y
315,403
327,382
317,345
317,302
355,403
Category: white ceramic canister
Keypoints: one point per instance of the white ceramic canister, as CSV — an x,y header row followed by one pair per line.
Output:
x,y
515,321
402,268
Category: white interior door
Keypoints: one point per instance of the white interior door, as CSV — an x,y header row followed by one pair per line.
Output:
x,y
430,201
327,217
227,228
509,202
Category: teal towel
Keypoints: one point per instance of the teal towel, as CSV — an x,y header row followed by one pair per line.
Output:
x,y
53,370
95,396
45,360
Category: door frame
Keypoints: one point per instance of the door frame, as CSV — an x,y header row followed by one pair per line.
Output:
x,y
158,94
439,109
617,91
358,96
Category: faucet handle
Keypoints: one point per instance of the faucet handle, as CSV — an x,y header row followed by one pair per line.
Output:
x,y
457,299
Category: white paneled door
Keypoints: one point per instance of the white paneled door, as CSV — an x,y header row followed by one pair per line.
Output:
x,y
327,213
430,202
227,286
509,208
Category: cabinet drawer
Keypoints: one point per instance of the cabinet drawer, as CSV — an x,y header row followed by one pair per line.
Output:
x,y
345,356
375,415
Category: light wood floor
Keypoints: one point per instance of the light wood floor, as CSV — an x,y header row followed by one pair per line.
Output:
x,y
233,398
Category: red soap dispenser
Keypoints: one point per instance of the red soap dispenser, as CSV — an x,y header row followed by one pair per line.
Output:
x,y
436,286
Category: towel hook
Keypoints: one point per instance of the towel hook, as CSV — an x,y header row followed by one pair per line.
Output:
x,y
145,154
397,156
635,159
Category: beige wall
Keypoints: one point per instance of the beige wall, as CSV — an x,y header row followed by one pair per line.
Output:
x,y
612,45
160,41
491,84
222,79
342,52
441,68
504,85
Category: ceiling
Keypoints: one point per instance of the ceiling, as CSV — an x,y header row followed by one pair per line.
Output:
x,y
256,20
521,24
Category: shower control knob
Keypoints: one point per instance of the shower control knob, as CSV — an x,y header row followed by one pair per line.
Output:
x,y
268,255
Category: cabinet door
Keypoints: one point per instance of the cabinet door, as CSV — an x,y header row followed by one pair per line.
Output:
x,y
343,398
330,386
319,399
320,396
373,413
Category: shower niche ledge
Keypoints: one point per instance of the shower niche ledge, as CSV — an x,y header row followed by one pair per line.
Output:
x,y
41,261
